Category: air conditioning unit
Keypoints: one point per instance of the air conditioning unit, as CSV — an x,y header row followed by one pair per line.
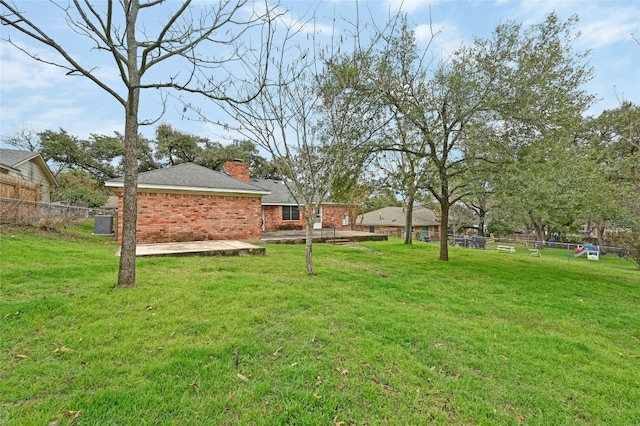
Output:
x,y
103,225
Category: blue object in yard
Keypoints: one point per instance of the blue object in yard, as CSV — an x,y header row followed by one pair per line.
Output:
x,y
592,252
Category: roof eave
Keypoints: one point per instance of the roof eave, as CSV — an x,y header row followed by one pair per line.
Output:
x,y
43,165
189,189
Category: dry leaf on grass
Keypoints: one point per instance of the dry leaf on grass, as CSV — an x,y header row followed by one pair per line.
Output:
x,y
76,415
63,349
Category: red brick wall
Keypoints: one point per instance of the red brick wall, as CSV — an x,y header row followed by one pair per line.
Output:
x,y
334,215
238,170
331,215
190,217
273,219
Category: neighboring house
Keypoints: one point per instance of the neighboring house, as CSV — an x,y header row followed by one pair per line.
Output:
x,y
281,212
189,202
391,221
25,175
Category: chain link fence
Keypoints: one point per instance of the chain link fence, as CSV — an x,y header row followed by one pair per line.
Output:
x,y
45,215
529,241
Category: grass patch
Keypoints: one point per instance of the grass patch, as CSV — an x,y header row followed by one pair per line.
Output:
x,y
382,335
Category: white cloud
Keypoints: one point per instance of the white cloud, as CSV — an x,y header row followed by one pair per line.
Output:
x,y
602,27
44,113
409,6
19,71
447,37
601,22
622,64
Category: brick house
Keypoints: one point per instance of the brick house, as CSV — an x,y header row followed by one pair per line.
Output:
x,y
391,221
189,202
280,211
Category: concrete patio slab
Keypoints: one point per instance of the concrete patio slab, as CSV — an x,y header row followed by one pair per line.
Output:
x,y
199,248
240,248
319,236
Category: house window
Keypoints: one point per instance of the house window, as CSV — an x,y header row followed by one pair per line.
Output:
x,y
290,213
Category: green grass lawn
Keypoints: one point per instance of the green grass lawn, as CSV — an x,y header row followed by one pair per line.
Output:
x,y
383,335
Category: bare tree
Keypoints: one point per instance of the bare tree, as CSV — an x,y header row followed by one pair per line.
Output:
x,y
311,121
196,49
23,138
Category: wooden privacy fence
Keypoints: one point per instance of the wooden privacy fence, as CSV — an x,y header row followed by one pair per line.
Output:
x,y
19,189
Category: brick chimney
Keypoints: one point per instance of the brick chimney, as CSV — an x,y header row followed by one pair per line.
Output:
x,y
237,169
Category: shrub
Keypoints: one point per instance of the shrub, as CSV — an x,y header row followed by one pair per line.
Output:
x,y
501,228
634,247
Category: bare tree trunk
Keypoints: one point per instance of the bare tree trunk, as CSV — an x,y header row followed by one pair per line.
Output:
x,y
309,243
127,271
482,214
409,219
444,228
539,228
180,38
600,233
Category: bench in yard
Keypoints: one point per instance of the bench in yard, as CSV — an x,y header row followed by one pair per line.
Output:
x,y
535,252
506,249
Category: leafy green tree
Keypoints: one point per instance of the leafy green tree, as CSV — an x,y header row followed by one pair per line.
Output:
x,y
612,145
544,187
517,87
537,113
61,149
500,228
101,156
78,188
404,161
175,147
215,154
354,119
381,196
461,218
480,200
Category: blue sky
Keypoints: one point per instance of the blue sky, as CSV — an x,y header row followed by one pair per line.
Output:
x,y
42,97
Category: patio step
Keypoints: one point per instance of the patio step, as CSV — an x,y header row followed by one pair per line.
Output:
x,y
338,241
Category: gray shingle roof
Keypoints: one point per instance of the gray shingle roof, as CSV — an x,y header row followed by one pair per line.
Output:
x,y
13,158
396,216
189,176
280,195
